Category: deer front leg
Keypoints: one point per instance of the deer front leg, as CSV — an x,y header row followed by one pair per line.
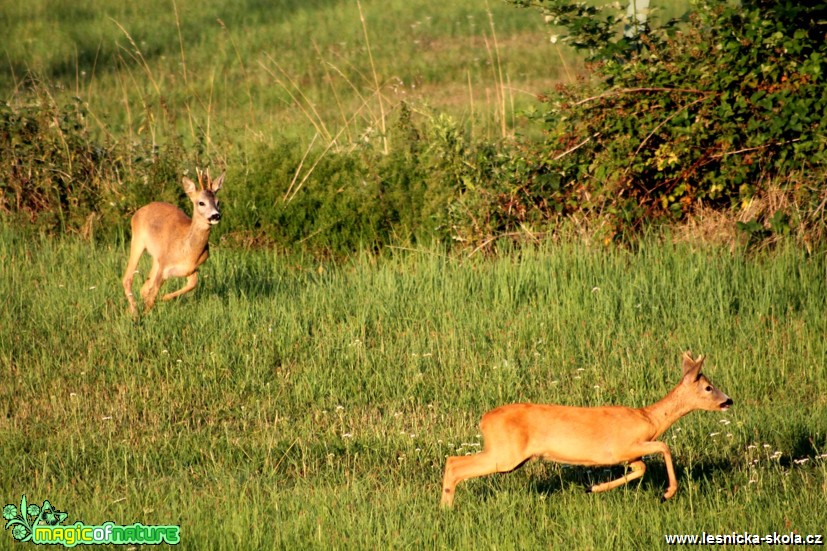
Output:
x,y
638,470
192,279
656,446
670,470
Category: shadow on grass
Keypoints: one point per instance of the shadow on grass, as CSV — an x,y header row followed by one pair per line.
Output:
x,y
550,480
805,446
259,280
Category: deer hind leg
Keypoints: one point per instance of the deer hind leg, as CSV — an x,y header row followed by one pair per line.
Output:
x,y
192,279
459,468
152,285
135,251
638,469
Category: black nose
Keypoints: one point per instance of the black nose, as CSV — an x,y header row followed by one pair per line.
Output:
x,y
728,402
216,217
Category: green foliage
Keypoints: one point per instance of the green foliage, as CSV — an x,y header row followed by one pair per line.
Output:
x,y
55,175
363,198
48,169
59,177
715,109
721,109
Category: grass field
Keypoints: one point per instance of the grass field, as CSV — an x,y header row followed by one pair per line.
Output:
x,y
233,74
289,403
292,404
226,74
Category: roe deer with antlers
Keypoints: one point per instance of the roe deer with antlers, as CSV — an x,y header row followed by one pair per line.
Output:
x,y
590,436
177,244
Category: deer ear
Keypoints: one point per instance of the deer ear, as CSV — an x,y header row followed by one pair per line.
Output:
x,y
189,186
216,184
692,368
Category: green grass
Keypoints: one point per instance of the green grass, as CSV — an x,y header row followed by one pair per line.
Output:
x,y
223,72
228,74
291,404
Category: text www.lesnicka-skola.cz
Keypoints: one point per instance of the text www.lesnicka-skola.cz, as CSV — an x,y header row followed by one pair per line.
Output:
x,y
744,538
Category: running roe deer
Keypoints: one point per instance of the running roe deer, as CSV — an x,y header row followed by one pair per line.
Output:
x,y
606,435
177,245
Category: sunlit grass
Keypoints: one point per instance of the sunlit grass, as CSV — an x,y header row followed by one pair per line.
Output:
x,y
287,403
234,73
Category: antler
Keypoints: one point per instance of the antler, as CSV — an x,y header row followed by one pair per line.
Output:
x,y
200,174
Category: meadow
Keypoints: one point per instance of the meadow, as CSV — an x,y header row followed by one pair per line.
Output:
x,y
308,392
289,402
230,75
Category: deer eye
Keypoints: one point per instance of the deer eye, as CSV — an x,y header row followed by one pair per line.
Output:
x,y
201,203
708,388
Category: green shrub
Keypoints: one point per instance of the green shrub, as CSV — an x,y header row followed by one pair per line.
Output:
x,y
359,197
57,177
715,109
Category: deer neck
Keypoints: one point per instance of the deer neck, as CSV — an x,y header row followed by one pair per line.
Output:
x,y
665,412
198,234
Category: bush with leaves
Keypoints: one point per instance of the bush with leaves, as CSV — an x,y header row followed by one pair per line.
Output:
x,y
57,177
716,108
